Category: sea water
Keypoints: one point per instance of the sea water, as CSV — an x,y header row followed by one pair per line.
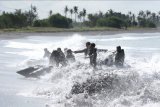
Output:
x,y
138,82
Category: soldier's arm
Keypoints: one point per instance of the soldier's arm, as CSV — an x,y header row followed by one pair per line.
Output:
x,y
80,51
102,50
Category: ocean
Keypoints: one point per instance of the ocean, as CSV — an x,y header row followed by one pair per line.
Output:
x,y
137,84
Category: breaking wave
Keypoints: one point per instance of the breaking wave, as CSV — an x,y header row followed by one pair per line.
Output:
x,y
135,85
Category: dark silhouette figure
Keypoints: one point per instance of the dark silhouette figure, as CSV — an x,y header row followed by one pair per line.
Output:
x,y
93,55
86,50
62,58
46,53
119,57
65,51
55,58
70,57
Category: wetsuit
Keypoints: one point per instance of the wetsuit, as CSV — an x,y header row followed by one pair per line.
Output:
x,y
62,58
55,58
119,58
93,56
70,57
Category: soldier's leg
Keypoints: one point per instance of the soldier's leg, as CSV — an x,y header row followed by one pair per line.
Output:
x,y
94,62
57,64
90,60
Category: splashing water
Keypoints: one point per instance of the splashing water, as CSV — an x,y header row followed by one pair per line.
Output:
x,y
135,85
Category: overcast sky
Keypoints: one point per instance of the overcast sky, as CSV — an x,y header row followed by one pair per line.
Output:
x,y
92,6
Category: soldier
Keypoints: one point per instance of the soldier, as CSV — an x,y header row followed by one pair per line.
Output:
x,y
86,50
55,58
46,53
70,57
65,51
93,55
119,57
62,57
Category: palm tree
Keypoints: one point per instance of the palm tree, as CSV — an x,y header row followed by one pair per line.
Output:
x,y
84,14
100,14
130,17
141,14
32,14
153,17
50,12
18,11
66,10
130,13
159,13
80,15
133,17
159,16
75,11
134,23
110,12
148,13
34,8
71,12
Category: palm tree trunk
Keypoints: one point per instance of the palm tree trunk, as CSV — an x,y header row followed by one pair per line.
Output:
x,y
75,17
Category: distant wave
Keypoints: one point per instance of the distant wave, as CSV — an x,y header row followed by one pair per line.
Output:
x,y
127,36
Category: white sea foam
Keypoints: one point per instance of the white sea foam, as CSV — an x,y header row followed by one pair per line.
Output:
x,y
136,85
129,37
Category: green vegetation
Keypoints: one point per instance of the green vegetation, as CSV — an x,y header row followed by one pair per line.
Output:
x,y
111,22
28,20
56,20
119,20
18,18
53,29
60,21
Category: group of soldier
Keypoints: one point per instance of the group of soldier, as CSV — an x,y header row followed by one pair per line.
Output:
x,y
58,57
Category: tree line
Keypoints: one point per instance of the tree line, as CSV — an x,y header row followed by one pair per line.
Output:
x,y
110,18
18,18
120,20
78,14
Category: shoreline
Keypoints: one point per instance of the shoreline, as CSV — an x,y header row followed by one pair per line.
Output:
x,y
109,32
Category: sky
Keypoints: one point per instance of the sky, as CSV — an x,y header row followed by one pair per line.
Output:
x,y
92,6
